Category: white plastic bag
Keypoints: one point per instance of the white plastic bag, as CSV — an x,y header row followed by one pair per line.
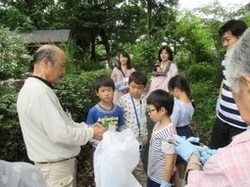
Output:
x,y
115,158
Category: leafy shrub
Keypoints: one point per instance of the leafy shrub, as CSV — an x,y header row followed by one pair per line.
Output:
x,y
12,51
76,93
11,141
204,72
144,54
205,95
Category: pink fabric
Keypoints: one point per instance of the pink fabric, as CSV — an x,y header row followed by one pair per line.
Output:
x,y
229,166
117,76
161,82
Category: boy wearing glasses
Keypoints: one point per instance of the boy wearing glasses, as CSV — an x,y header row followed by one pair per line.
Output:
x,y
134,107
162,157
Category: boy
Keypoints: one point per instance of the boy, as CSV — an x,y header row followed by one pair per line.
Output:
x,y
105,112
134,107
161,158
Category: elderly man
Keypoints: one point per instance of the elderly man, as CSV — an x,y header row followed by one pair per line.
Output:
x,y
229,166
52,139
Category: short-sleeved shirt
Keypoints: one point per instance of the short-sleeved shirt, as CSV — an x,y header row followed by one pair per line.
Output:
x,y
182,114
134,112
156,156
98,114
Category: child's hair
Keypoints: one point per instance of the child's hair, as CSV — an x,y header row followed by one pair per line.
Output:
x,y
104,80
138,78
124,54
181,83
161,98
169,51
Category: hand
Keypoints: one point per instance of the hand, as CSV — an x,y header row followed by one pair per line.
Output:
x,y
184,148
98,131
205,155
165,184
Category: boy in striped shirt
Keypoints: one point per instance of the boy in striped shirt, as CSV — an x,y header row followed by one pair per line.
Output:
x,y
161,159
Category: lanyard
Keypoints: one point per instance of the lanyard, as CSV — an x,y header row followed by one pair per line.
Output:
x,y
136,115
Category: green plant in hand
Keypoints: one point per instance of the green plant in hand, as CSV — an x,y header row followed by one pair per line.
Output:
x,y
105,122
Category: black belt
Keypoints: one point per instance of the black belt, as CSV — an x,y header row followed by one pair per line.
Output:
x,y
53,162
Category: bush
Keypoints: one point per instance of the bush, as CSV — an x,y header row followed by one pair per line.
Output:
x,y
76,93
11,141
12,52
205,96
204,72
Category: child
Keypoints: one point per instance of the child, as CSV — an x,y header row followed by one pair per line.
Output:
x,y
121,74
164,70
105,112
134,107
161,158
181,117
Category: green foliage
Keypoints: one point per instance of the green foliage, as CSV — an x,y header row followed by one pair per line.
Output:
x,y
11,141
205,82
12,51
144,53
204,72
205,94
197,43
76,93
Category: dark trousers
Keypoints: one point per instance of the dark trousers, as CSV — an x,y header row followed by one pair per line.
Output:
x,y
151,183
222,134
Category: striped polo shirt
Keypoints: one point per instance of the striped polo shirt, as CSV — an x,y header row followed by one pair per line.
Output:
x,y
228,110
157,151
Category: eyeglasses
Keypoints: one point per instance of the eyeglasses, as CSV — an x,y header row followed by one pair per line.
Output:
x,y
149,111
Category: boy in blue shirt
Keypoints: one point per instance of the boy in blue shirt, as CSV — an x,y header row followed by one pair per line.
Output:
x,y
105,111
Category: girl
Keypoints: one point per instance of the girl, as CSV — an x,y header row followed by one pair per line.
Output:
x,y
181,117
164,70
121,74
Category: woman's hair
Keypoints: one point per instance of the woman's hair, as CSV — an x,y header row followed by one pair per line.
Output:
x,y
181,83
169,51
124,54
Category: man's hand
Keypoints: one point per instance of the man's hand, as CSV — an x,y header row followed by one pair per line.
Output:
x,y
98,131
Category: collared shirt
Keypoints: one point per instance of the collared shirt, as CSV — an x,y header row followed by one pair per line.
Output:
x,y
228,167
130,114
49,134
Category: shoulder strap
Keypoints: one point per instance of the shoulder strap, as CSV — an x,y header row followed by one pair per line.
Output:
x,y
168,67
123,73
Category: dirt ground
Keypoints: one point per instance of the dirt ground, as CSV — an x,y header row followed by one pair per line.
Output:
x,y
85,169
